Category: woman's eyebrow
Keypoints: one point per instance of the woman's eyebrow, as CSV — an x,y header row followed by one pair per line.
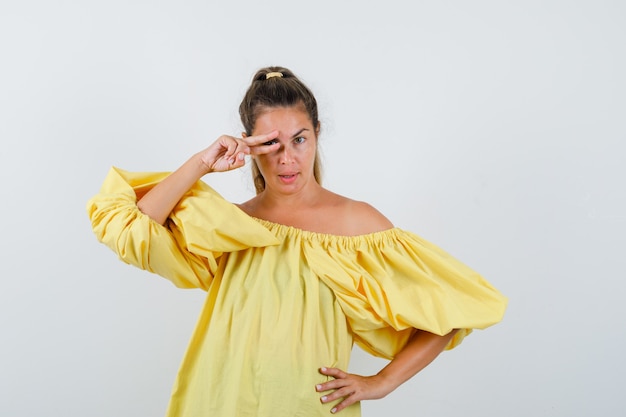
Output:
x,y
299,132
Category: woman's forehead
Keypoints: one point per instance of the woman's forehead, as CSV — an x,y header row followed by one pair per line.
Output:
x,y
287,120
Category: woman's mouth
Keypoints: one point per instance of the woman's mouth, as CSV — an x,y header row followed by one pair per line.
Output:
x,y
287,178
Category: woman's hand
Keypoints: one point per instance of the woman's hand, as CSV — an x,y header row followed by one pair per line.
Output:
x,y
229,152
352,388
422,348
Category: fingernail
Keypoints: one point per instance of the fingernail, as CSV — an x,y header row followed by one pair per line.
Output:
x,y
324,398
323,368
241,156
334,410
318,387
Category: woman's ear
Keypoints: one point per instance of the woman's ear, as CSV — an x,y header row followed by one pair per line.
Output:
x,y
318,128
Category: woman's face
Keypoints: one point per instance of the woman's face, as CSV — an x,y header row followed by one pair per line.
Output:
x,y
289,169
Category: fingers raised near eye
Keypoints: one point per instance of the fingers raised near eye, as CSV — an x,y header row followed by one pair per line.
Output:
x,y
261,144
236,154
225,154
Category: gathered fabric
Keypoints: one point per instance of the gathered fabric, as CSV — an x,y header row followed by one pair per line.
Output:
x,y
282,302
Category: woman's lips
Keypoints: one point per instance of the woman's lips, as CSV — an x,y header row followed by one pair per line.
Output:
x,y
287,178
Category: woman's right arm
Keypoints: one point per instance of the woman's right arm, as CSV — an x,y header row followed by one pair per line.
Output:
x,y
224,154
134,229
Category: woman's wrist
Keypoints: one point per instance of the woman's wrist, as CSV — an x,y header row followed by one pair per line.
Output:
x,y
387,381
199,165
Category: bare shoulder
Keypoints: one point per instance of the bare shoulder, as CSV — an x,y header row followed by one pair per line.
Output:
x,y
359,217
248,206
329,213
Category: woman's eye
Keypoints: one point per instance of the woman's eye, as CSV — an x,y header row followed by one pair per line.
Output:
x,y
299,140
270,142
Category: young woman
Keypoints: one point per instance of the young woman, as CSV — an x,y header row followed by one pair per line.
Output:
x,y
294,276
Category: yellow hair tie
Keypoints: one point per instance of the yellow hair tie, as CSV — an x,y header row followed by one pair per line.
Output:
x,y
273,74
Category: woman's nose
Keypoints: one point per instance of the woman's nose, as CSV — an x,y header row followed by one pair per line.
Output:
x,y
286,156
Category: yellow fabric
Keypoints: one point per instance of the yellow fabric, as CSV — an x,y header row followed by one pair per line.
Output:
x,y
282,302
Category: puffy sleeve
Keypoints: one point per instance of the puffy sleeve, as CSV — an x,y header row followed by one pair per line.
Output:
x,y
186,250
393,282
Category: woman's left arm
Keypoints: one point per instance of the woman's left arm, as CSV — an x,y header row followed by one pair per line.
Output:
x,y
421,350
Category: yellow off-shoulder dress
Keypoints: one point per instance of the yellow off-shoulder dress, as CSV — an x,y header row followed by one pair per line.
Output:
x,y
282,302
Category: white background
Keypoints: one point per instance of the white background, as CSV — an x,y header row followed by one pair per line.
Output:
x,y
494,129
